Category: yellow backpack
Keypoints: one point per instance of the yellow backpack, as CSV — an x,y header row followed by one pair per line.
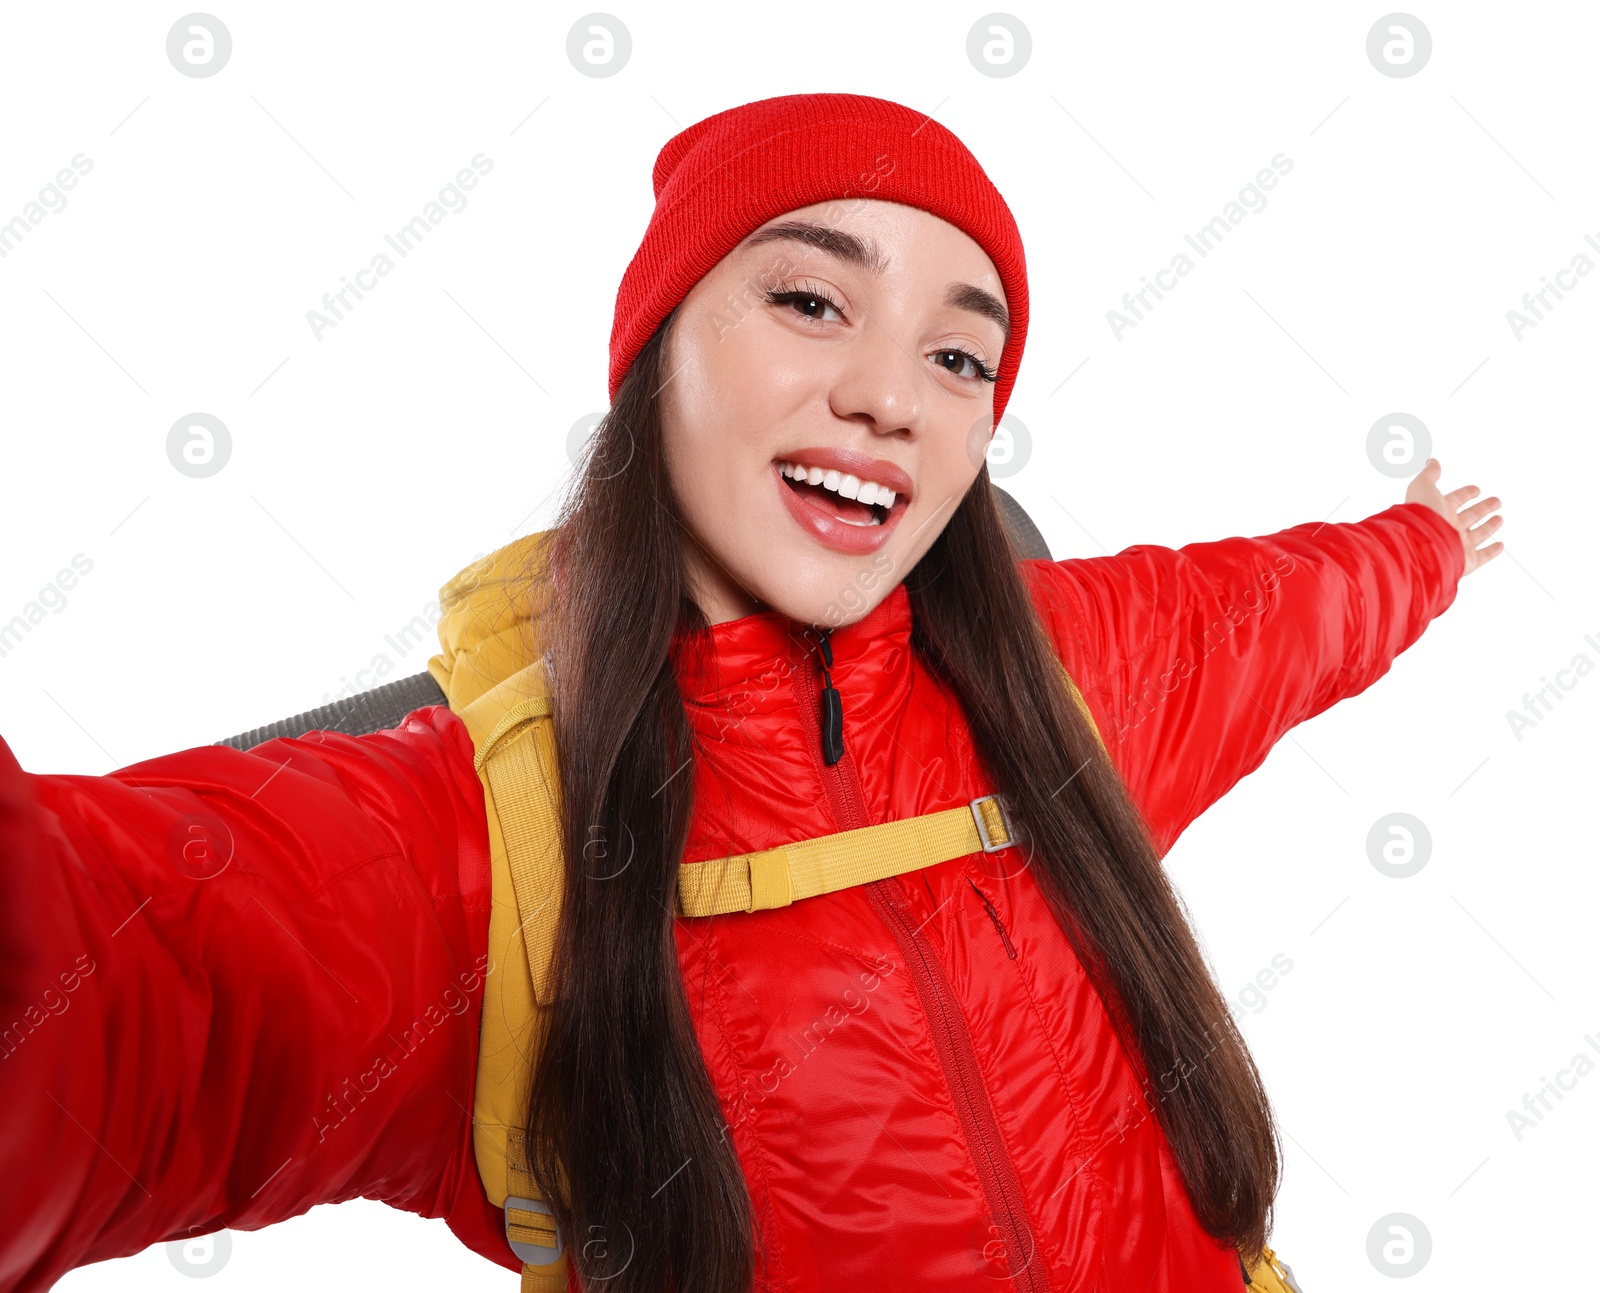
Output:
x,y
492,670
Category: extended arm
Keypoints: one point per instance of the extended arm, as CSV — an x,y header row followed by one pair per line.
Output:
x,y
236,985
1196,660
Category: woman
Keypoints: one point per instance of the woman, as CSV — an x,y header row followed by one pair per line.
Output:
x,y
780,605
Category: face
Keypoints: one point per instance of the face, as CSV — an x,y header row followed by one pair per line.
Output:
x,y
828,399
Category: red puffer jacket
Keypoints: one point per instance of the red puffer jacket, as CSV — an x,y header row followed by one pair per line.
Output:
x,y
922,1086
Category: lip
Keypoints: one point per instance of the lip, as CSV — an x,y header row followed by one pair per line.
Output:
x,y
841,536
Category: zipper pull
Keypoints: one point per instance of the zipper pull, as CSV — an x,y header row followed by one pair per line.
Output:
x,y
832,706
995,917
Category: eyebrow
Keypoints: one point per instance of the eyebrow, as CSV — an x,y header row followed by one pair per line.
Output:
x,y
836,242
964,296
866,255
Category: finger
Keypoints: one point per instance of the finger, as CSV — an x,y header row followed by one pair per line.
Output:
x,y
1456,497
1479,510
1478,533
1430,470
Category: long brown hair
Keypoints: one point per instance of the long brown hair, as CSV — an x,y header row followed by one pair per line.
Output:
x,y
621,1102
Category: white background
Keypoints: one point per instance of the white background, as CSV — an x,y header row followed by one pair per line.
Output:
x,y
430,425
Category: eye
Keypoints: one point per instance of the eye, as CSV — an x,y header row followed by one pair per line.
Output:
x,y
964,364
813,303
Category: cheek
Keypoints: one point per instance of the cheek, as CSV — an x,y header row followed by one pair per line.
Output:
x,y
963,443
762,372
724,372
956,450
691,433
979,440
717,440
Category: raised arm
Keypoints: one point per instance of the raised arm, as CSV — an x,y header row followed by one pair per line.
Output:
x,y
237,985
1195,660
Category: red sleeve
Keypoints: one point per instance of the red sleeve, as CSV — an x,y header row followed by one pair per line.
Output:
x,y
1195,660
236,985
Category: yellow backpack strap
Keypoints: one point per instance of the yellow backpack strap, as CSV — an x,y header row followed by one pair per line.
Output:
x,y
518,761
1271,1275
512,733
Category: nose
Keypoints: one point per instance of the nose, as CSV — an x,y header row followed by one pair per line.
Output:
x,y
880,382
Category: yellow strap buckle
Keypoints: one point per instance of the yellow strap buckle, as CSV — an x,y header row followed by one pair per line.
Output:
x,y
994,823
532,1232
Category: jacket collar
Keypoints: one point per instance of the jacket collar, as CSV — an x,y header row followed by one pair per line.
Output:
x,y
720,667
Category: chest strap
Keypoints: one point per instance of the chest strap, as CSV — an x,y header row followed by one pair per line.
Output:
x,y
777,877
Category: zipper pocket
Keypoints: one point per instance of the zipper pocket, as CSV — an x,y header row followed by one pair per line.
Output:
x,y
995,917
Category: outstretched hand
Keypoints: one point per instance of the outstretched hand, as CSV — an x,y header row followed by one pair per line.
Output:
x,y
1424,488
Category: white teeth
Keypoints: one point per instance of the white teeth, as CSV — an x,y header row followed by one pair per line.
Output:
x,y
846,486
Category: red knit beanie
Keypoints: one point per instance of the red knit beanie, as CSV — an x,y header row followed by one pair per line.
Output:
x,y
726,176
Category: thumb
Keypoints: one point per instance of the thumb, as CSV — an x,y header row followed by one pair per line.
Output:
x,y
1425,482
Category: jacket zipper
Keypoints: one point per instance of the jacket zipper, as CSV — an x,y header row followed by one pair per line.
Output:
x,y
951,1038
831,719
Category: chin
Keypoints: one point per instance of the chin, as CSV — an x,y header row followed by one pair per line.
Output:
x,y
831,593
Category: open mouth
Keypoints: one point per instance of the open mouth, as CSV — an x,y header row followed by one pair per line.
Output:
x,y
839,495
